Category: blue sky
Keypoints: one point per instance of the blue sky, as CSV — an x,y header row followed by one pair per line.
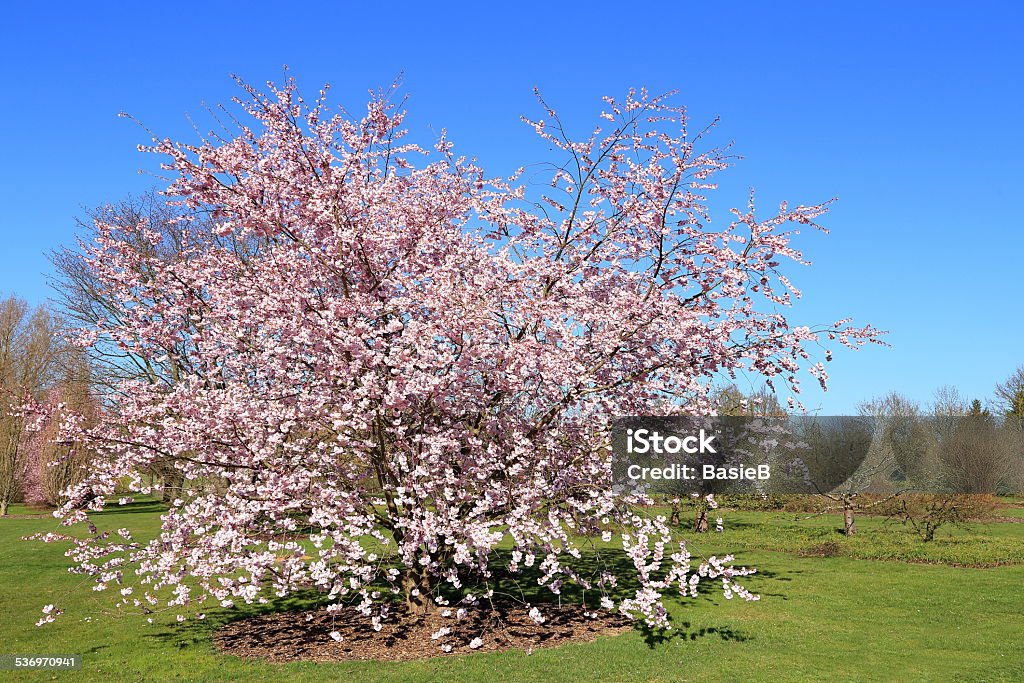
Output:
x,y
909,112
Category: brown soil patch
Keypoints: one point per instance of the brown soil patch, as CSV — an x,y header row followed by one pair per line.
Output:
x,y
826,549
306,636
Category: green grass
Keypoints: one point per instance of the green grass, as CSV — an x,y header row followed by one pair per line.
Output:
x,y
820,618
971,545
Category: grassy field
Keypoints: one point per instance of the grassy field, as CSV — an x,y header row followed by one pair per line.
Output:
x,y
860,615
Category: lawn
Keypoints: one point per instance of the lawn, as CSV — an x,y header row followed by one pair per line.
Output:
x,y
839,618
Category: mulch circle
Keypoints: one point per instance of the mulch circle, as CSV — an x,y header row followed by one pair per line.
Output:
x,y
405,636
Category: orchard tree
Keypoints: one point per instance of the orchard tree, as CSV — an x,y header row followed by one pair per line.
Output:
x,y
928,513
412,364
891,435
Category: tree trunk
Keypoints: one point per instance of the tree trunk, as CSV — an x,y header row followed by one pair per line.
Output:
x,y
3,508
173,482
416,587
700,525
849,524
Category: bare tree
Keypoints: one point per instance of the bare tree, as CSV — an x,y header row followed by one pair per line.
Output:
x,y
763,402
890,425
978,456
947,407
30,349
910,435
87,302
926,514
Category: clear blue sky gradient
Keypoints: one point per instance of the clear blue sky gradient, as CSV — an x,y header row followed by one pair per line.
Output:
x,y
909,112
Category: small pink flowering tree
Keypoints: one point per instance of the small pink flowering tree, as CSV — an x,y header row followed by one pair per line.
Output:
x,y
54,464
386,364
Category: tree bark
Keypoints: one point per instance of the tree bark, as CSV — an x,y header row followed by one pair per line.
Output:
x,y
849,523
674,519
700,525
416,587
173,482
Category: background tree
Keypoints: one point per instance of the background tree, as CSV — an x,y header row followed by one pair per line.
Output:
x,y
29,354
53,462
418,364
730,400
159,235
909,434
890,435
702,506
1010,398
978,457
947,407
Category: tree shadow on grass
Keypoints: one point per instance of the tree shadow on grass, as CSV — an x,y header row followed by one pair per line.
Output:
x,y
135,507
200,631
524,585
520,587
684,631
